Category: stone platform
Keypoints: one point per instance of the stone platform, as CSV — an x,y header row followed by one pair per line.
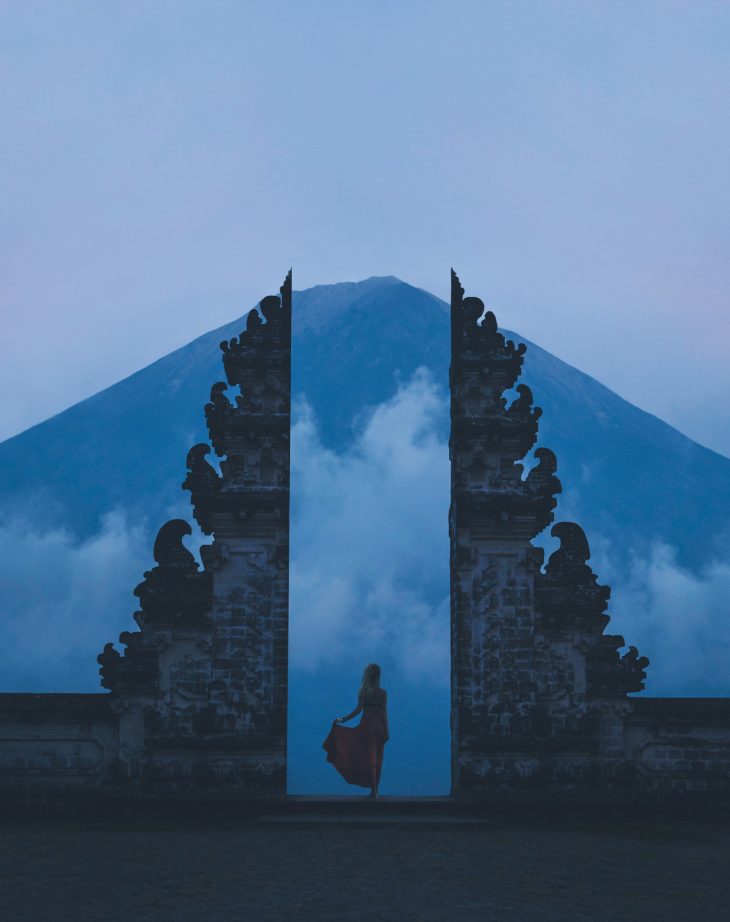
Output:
x,y
181,869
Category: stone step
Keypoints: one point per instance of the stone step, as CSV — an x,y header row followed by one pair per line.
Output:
x,y
371,818
385,804
361,809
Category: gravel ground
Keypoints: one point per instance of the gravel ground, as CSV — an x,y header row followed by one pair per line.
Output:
x,y
118,871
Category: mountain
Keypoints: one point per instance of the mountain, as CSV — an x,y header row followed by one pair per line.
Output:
x,y
633,479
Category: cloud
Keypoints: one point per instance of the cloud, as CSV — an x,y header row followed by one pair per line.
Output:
x,y
64,599
369,577
369,559
679,619
370,544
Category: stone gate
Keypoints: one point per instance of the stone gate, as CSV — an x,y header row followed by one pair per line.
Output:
x,y
197,701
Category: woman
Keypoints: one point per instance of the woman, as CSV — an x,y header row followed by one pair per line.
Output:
x,y
357,752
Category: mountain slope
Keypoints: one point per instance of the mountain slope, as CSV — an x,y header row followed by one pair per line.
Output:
x,y
631,478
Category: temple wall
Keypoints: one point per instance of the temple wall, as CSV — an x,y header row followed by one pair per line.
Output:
x,y
55,741
679,745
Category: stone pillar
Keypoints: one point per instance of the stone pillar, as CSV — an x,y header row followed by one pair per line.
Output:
x,y
248,512
493,517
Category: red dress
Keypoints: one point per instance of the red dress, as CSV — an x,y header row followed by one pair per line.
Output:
x,y
357,752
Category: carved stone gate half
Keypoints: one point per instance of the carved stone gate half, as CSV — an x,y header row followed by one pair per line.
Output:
x,y
539,691
201,690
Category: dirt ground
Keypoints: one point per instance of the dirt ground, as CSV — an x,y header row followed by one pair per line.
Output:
x,y
129,870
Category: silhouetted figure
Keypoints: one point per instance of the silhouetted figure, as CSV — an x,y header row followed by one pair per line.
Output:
x,y
357,752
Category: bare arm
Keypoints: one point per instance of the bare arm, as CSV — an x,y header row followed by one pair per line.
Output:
x,y
341,720
385,714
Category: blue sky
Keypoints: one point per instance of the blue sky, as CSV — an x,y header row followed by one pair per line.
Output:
x,y
165,163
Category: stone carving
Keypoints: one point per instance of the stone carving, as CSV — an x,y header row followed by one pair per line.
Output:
x,y
570,602
204,485
532,670
568,593
173,595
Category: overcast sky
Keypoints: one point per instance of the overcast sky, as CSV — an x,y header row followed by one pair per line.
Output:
x,y
163,164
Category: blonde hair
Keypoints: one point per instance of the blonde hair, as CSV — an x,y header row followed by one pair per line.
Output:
x,y
370,679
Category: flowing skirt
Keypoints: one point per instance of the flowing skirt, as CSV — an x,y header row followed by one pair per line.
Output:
x,y
357,752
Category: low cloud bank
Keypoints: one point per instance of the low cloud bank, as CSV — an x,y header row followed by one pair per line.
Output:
x,y
369,577
680,620
370,551
63,600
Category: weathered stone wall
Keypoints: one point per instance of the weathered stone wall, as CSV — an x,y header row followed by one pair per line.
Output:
x,y
679,745
55,742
